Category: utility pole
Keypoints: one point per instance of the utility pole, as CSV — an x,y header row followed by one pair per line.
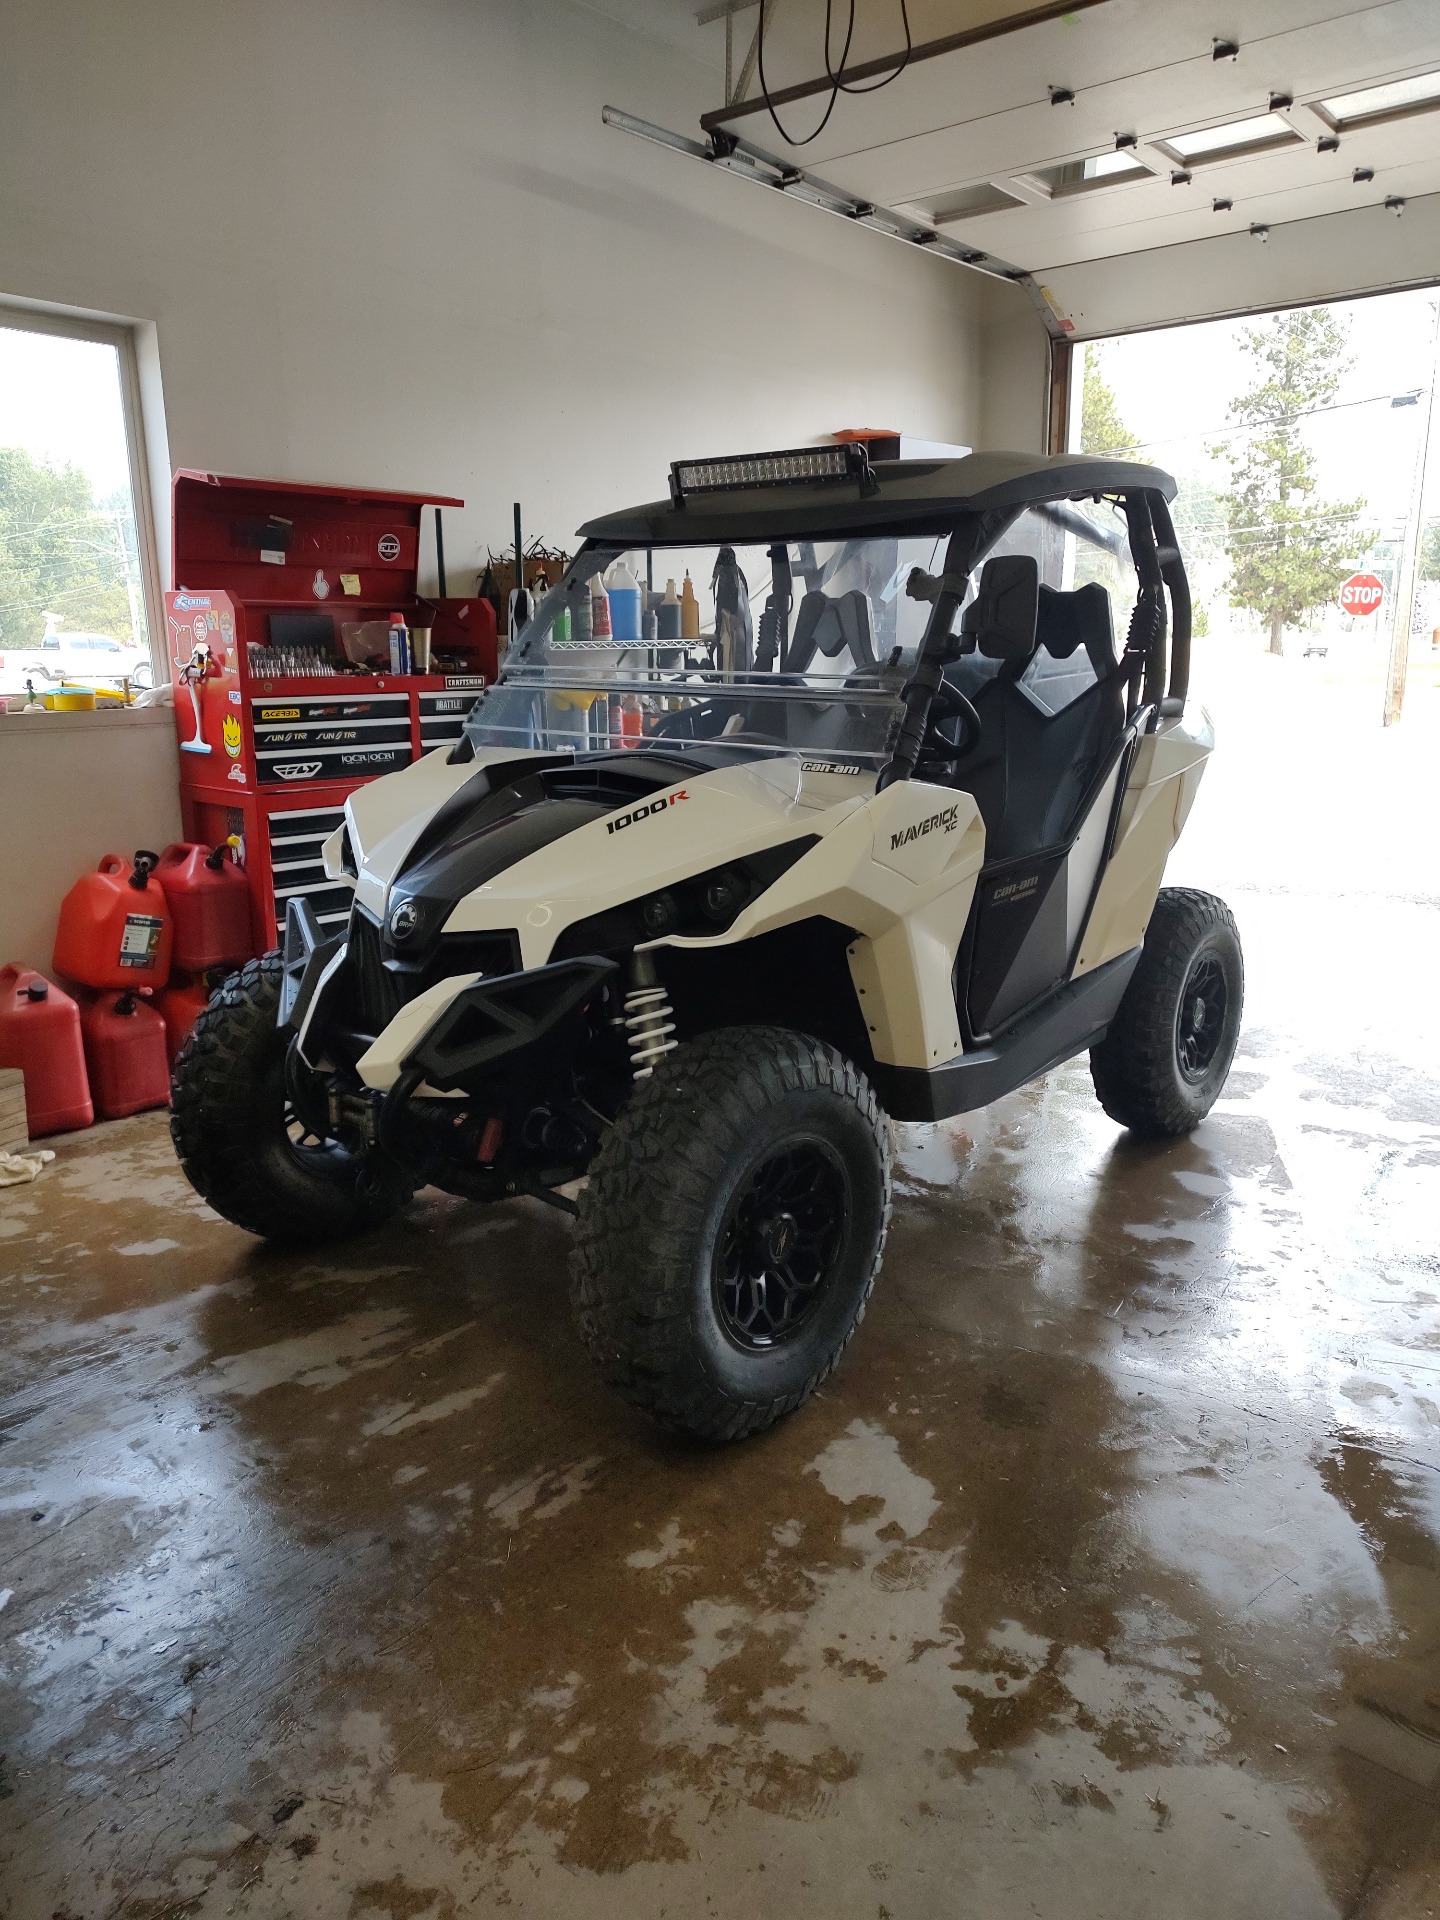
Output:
x,y
1410,551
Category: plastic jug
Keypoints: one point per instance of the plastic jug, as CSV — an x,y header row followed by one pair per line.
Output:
x,y
668,613
40,1034
624,591
115,926
209,901
180,1006
125,1053
689,610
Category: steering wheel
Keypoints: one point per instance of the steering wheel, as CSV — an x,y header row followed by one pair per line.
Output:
x,y
948,705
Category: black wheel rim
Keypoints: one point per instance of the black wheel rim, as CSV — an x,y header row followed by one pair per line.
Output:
x,y
1200,1021
779,1245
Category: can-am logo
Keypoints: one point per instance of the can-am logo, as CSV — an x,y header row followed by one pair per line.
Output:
x,y
1015,890
297,769
644,813
829,766
945,821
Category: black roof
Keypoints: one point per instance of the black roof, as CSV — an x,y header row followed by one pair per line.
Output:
x,y
923,494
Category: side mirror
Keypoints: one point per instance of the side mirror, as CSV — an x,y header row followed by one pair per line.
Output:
x,y
1001,619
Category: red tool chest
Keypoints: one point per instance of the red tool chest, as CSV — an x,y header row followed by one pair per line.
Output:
x,y
268,574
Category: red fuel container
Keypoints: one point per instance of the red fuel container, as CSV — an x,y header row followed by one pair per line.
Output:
x,y
40,1034
125,1052
209,899
115,926
180,1006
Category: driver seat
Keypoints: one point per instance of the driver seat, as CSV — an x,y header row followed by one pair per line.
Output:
x,y
1038,752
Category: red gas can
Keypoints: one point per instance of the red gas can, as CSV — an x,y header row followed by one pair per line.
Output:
x,y
181,1005
125,1052
40,1034
115,927
209,901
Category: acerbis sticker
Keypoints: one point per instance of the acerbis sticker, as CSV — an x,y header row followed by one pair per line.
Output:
x,y
662,805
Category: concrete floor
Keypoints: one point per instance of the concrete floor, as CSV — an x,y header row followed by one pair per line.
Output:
x,y
1102,1580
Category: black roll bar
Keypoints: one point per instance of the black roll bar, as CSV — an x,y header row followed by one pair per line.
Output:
x,y
1172,569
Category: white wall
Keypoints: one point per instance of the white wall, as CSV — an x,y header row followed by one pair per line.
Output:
x,y
392,245
74,786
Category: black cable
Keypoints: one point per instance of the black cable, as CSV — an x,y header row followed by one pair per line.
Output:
x,y
834,76
789,139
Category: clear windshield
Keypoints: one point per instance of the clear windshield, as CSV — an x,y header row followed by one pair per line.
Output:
x,y
784,648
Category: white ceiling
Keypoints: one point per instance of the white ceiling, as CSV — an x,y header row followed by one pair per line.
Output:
x,y
1143,67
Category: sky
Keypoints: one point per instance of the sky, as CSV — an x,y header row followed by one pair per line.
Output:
x,y
1174,387
60,400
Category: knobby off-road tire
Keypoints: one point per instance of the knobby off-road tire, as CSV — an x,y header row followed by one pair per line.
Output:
x,y
751,1152
1164,1061
238,1142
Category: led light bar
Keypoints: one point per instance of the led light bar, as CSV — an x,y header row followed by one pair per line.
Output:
x,y
792,467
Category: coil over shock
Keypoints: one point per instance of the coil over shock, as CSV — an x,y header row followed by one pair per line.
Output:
x,y
649,1018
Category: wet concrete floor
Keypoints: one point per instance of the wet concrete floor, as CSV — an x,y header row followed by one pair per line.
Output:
x,y
1102,1580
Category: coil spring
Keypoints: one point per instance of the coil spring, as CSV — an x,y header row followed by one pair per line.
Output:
x,y
649,1028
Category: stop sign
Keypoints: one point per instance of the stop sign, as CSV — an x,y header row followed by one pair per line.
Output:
x,y
1361,593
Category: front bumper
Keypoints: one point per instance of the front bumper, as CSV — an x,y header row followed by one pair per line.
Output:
x,y
459,1035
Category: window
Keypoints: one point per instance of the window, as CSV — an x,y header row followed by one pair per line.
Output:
x,y
1230,142
966,202
79,582
1083,176
1372,104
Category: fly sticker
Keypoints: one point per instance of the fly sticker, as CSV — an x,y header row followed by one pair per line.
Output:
x,y
643,813
945,821
829,766
297,769
1014,890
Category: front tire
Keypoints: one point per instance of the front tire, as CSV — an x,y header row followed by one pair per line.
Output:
x,y
1167,1054
241,1146
732,1229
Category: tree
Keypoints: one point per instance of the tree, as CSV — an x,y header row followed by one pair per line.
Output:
x,y
1101,428
59,553
1430,552
1288,550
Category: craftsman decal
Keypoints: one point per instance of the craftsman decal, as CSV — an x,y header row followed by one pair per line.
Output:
x,y
945,821
643,813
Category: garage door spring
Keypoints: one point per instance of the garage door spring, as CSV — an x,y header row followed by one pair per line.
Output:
x,y
649,1028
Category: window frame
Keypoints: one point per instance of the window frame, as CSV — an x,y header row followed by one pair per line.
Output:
x,y
122,336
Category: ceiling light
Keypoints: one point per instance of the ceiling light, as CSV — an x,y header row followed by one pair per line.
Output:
x,y
1238,137
1394,101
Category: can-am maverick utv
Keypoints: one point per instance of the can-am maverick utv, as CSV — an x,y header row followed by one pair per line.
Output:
x,y
689,917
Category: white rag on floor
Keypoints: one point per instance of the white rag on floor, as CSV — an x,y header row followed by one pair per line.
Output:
x,y
16,1168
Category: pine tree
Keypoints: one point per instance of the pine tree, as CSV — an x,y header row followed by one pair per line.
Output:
x,y
1101,428
1289,551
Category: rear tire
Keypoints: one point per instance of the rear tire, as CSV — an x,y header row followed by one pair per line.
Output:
x,y
1165,1059
239,1143
732,1229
